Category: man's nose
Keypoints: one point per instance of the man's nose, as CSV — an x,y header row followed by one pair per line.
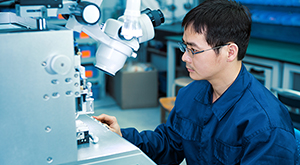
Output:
x,y
185,57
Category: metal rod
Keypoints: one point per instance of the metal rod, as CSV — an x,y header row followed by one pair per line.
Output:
x,y
41,24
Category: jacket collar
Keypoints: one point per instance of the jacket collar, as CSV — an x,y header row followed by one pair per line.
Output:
x,y
228,98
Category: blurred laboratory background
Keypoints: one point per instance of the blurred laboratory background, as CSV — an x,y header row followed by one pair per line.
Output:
x,y
273,57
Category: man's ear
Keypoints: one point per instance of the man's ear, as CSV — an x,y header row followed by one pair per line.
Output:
x,y
232,52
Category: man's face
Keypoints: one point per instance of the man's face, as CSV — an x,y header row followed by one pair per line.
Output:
x,y
206,65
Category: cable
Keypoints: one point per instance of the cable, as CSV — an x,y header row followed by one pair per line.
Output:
x,y
4,1
7,2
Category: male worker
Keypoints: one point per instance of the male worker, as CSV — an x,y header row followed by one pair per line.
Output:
x,y
226,116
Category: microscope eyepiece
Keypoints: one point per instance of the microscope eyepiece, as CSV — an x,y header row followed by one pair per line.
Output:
x,y
156,16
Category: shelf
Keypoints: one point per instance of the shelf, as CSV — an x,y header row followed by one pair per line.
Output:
x,y
271,3
275,20
156,51
85,61
86,41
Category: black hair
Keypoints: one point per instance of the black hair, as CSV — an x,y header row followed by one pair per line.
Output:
x,y
221,21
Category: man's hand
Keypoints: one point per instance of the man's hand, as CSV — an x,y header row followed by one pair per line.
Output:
x,y
110,121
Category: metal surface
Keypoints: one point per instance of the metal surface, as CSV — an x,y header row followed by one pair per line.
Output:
x,y
111,148
37,117
39,86
7,18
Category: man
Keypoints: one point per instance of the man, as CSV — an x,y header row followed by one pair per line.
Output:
x,y
226,116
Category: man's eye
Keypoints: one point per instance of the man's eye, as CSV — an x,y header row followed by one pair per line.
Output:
x,y
194,50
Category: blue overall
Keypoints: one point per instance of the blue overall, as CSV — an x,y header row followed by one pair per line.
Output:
x,y
246,125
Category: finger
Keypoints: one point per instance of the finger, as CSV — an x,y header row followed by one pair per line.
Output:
x,y
110,122
106,125
100,117
103,118
110,128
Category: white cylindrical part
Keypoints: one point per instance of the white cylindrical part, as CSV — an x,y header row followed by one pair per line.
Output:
x,y
91,14
133,8
131,27
109,59
148,29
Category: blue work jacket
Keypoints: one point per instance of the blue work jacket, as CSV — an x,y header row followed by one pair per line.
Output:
x,y
246,125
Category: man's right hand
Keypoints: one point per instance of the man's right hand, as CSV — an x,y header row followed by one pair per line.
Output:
x,y
110,121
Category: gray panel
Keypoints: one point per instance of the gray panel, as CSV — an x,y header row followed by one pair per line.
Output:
x,y
25,113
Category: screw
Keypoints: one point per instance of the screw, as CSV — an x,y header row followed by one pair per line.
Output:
x,y
56,94
49,160
67,80
44,63
48,129
68,93
46,97
54,81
